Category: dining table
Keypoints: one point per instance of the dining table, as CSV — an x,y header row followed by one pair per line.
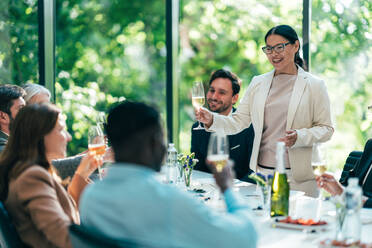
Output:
x,y
271,233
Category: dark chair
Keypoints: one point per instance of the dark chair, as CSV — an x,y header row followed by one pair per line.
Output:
x,y
82,237
350,163
8,234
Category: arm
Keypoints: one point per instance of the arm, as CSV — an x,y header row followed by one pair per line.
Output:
x,y
240,119
66,167
321,129
81,178
37,193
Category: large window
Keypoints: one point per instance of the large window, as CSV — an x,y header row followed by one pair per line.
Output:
x,y
18,41
226,34
107,50
341,53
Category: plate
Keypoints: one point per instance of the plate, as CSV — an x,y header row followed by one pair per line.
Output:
x,y
314,228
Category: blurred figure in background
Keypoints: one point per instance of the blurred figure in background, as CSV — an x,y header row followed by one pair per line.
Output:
x,y
362,170
40,207
36,93
11,101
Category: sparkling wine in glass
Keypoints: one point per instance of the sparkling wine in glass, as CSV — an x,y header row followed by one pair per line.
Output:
x,y
198,98
96,144
218,151
318,161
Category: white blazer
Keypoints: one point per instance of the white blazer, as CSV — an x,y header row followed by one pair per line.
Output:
x,y
308,113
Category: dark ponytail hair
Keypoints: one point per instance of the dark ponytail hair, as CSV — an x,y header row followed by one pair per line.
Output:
x,y
290,34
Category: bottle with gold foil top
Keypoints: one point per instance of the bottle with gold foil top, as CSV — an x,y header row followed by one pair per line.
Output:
x,y
280,186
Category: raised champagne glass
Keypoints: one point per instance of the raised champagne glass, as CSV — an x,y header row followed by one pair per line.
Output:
x,y
198,99
96,144
218,150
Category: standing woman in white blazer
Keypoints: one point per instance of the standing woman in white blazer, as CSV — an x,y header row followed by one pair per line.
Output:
x,y
286,104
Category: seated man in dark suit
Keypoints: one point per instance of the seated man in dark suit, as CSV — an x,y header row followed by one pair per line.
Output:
x,y
222,94
11,101
362,170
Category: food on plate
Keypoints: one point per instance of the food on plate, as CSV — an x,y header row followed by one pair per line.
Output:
x,y
300,221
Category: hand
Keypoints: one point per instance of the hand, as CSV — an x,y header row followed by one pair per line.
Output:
x,y
224,179
88,164
330,184
204,116
290,138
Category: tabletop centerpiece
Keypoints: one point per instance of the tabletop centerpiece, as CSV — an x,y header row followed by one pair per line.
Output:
x,y
264,184
187,163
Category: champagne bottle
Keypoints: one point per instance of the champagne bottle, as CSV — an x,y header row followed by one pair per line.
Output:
x,y
280,186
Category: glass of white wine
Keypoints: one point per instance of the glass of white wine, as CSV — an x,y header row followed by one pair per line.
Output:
x,y
318,163
198,98
96,144
218,150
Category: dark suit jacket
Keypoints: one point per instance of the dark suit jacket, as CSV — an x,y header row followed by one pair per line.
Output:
x,y
240,150
360,170
3,140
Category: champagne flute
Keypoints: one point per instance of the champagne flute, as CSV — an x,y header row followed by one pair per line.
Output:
x,y
318,161
101,121
96,144
198,99
318,164
218,151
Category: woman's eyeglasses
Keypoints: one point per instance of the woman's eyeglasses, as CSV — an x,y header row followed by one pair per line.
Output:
x,y
277,48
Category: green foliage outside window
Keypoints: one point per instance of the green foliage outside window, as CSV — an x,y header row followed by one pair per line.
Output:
x,y
110,49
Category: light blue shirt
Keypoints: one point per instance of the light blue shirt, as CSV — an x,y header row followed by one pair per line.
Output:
x,y
131,204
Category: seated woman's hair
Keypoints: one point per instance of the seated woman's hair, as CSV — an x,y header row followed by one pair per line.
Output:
x,y
25,146
34,89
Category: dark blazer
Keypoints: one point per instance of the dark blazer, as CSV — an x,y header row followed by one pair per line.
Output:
x,y
240,150
3,140
360,170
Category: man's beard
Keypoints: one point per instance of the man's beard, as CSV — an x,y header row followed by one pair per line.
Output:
x,y
221,109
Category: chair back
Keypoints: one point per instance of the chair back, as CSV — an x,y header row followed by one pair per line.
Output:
x,y
8,234
82,237
350,163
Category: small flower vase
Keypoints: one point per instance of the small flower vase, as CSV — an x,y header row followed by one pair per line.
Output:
x,y
340,217
187,176
265,194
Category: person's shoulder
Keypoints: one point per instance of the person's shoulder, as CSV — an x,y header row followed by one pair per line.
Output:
x,y
34,173
368,146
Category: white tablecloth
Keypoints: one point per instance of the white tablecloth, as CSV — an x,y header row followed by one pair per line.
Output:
x,y
280,237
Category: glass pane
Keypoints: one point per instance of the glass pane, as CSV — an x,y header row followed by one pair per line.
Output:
x,y
106,51
226,34
18,42
341,54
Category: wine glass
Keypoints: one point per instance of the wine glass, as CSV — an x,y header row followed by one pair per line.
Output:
x,y
96,144
218,150
101,121
318,164
198,99
318,161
